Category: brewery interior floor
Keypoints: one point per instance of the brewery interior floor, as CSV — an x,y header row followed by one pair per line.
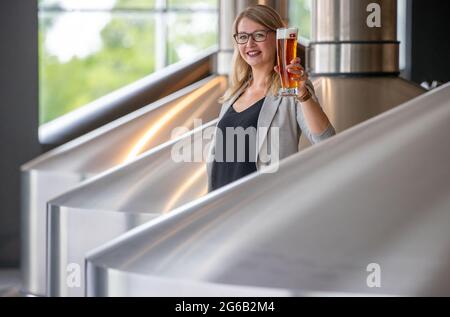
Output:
x,y
10,283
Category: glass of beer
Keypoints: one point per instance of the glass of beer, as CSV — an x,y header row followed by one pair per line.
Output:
x,y
286,52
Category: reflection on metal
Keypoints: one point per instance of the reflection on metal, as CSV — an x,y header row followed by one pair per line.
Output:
x,y
197,180
348,101
65,167
187,102
353,58
117,201
376,195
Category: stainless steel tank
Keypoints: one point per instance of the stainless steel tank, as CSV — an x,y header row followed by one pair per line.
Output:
x,y
369,207
354,61
112,145
118,200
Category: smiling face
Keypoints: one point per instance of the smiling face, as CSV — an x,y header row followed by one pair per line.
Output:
x,y
257,54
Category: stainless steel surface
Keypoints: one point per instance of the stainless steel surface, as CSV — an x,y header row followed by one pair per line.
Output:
x,y
128,99
114,144
376,193
352,58
348,101
343,42
113,203
345,20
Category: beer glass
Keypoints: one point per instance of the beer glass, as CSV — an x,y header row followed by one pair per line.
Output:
x,y
286,52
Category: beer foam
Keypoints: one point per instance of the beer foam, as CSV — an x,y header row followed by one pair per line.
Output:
x,y
290,33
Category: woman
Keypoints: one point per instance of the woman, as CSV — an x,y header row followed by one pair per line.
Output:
x,y
252,103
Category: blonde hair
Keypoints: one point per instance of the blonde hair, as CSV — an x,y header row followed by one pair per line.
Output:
x,y
242,72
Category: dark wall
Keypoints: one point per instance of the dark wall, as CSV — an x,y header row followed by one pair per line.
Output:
x,y
430,40
18,114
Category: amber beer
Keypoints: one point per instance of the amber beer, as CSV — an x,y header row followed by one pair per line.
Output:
x,y
286,52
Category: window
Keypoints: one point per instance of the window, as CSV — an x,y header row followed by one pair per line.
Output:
x,y
89,48
300,16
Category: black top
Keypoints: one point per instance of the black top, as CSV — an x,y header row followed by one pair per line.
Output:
x,y
243,128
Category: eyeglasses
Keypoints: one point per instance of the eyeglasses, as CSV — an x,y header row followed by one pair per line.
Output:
x,y
258,36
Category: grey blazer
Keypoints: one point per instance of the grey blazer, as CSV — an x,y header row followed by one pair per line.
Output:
x,y
283,113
